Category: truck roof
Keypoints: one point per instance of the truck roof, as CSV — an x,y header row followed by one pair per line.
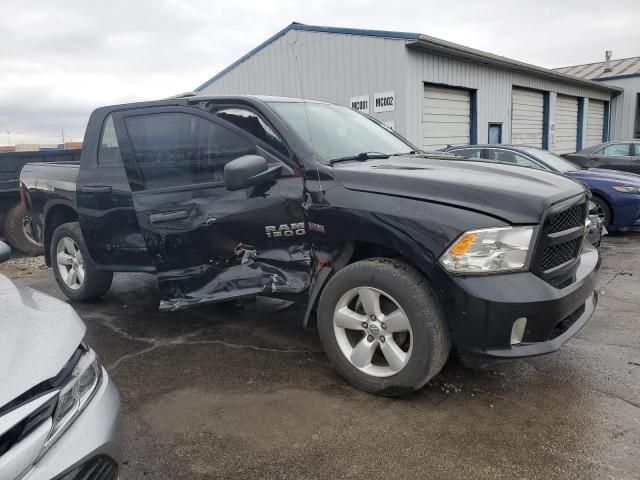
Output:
x,y
191,100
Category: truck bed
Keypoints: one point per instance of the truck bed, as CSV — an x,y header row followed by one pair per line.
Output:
x,y
44,180
12,162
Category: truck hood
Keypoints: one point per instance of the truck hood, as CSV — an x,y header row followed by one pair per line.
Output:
x,y
602,174
514,194
38,336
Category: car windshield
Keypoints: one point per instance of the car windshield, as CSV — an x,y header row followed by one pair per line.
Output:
x,y
552,160
336,132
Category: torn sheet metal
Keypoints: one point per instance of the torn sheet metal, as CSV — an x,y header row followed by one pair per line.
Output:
x,y
271,272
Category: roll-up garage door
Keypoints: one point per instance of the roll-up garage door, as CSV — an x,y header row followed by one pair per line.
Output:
x,y
595,123
527,117
446,117
566,132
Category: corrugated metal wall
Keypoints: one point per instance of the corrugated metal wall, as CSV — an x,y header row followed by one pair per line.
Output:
x,y
493,89
334,67
623,108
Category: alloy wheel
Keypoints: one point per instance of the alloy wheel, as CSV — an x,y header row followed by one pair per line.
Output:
x,y
70,263
373,331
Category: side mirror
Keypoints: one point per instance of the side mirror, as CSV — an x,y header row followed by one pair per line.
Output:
x,y
5,252
248,171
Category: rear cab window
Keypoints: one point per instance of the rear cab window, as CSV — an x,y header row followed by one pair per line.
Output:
x,y
109,150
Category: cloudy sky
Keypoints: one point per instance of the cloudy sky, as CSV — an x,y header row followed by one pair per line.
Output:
x,y
60,59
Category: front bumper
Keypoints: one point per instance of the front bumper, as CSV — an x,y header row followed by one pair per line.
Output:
x,y
481,310
94,437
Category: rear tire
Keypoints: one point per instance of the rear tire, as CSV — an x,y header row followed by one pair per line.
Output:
x,y
416,340
74,270
15,232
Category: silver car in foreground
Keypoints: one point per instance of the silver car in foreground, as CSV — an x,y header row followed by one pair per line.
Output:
x,y
59,410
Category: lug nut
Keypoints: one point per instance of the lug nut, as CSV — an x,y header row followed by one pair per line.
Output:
x,y
365,325
370,338
384,326
381,339
373,318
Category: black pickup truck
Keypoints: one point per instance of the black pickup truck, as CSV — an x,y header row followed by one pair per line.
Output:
x,y
399,254
15,225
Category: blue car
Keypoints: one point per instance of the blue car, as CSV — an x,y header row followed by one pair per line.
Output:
x,y
616,194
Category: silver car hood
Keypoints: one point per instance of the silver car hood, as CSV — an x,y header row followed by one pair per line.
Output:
x,y
38,336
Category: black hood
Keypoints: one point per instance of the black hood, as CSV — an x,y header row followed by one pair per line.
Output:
x,y
515,194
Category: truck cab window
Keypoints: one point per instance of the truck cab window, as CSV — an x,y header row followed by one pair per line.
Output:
x,y
173,149
109,152
254,125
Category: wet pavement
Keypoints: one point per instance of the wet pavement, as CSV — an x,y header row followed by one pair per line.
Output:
x,y
233,391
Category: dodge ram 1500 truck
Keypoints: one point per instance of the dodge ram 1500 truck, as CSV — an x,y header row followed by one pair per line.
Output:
x,y
399,254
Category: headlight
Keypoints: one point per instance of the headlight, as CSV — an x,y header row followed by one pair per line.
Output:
x,y
489,250
75,394
627,189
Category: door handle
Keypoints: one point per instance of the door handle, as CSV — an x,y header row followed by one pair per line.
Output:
x,y
96,189
168,216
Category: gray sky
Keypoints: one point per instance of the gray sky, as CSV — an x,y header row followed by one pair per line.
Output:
x,y
59,60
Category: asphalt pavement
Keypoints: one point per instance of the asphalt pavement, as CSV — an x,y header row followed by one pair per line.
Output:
x,y
243,391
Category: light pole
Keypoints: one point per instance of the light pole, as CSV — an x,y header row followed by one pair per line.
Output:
x,y
9,137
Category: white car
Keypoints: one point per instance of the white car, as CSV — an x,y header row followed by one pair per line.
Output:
x,y
59,410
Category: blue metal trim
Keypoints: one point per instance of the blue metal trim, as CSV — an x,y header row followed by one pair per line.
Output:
x,y
357,31
616,77
580,124
473,124
310,28
546,112
605,123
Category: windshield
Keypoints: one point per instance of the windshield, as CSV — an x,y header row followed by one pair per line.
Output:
x,y
336,132
552,160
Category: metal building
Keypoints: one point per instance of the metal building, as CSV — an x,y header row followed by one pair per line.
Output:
x,y
623,73
432,91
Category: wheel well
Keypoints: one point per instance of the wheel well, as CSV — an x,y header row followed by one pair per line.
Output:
x,y
362,250
56,216
355,252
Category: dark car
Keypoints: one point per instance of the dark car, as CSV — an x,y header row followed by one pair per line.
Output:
x,y
623,156
397,255
615,194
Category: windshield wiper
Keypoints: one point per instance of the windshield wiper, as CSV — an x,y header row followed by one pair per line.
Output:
x,y
361,157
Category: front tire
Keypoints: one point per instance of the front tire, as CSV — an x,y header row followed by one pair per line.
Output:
x,y
382,327
73,268
603,210
16,231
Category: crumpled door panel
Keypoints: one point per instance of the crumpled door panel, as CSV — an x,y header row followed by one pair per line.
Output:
x,y
250,272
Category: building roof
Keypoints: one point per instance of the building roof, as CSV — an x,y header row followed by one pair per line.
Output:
x,y
620,68
430,44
